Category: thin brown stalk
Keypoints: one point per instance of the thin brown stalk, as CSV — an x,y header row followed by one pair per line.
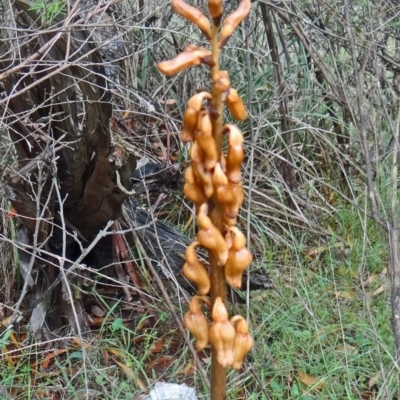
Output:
x,y
217,276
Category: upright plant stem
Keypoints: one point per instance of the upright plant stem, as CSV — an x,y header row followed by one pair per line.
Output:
x,y
217,276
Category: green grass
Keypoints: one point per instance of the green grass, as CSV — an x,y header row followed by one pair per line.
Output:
x,y
317,321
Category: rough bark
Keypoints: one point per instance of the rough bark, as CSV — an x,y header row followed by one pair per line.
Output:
x,y
56,110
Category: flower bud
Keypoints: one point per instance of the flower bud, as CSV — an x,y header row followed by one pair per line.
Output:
x,y
233,20
203,176
235,105
239,259
235,154
221,81
222,334
195,271
243,341
224,193
215,7
231,210
188,58
206,141
238,193
191,116
192,189
210,237
194,15
195,321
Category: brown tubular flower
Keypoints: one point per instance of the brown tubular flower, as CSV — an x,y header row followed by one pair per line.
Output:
x,y
243,341
233,20
205,140
222,334
210,237
221,81
195,321
215,7
238,260
222,190
195,271
191,115
192,189
203,176
235,154
225,195
194,15
238,193
235,105
191,56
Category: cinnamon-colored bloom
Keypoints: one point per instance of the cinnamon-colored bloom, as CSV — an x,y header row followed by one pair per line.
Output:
x,y
205,140
203,176
191,115
221,81
222,334
192,189
215,7
233,20
195,321
235,154
238,260
210,237
225,194
195,271
194,15
235,105
191,56
243,341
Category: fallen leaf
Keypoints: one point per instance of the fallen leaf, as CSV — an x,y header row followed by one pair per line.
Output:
x,y
80,343
368,395
12,213
10,361
126,113
310,380
381,289
128,371
189,369
349,242
318,250
313,252
159,364
158,346
14,340
116,352
168,102
50,356
345,295
97,311
106,358
374,379
371,279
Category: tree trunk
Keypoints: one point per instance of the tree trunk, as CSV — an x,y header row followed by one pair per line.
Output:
x,y
61,175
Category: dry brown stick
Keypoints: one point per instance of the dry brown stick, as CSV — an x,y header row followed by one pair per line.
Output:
x,y
45,47
288,174
121,253
340,98
361,123
394,246
169,302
